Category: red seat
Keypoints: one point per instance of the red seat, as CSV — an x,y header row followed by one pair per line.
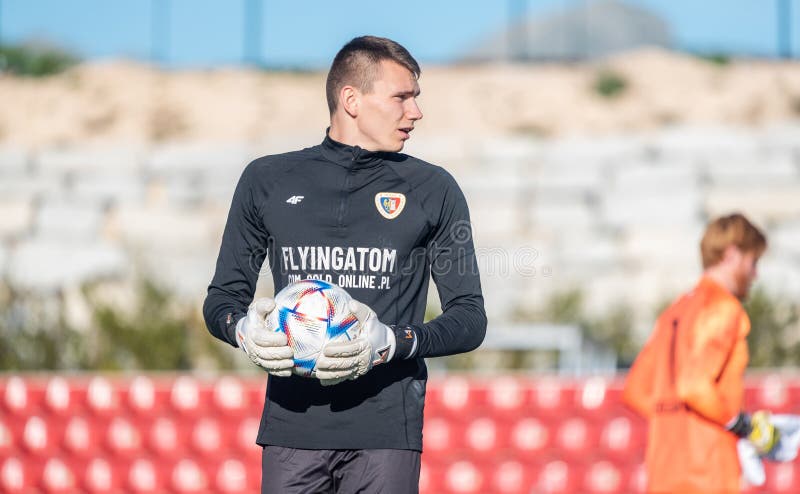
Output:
x,y
438,438
100,477
57,477
781,477
620,440
507,397
166,438
245,441
62,397
558,477
102,398
431,478
13,476
605,478
575,440
144,398
511,477
552,398
485,435
38,437
20,397
464,477
637,478
143,477
529,438
123,438
80,437
231,399
461,399
770,393
207,437
7,441
187,397
232,477
187,476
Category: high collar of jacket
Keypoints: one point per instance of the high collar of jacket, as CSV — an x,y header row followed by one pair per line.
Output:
x,y
350,156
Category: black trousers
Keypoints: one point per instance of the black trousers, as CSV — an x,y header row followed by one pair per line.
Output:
x,y
340,471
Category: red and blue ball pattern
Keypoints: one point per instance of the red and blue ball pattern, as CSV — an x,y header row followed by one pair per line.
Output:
x,y
311,313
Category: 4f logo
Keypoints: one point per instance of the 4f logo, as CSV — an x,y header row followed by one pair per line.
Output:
x,y
294,199
390,204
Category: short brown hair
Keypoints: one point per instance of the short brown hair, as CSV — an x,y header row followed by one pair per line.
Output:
x,y
735,230
358,64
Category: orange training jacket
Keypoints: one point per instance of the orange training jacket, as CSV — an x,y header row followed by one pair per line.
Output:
x,y
688,383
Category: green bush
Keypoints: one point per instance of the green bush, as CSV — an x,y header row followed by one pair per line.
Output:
x,y
773,339
609,84
35,60
156,333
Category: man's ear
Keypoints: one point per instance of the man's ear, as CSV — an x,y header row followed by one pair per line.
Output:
x,y
350,98
732,254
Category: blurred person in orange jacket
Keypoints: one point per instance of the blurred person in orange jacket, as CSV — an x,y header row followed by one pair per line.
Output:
x,y
688,379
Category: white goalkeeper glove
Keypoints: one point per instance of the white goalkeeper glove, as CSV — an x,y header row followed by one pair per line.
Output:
x,y
758,429
343,360
751,461
266,347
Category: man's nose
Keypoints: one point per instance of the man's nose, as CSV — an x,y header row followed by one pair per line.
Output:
x,y
413,112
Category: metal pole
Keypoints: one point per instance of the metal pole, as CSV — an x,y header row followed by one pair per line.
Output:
x,y
784,28
252,32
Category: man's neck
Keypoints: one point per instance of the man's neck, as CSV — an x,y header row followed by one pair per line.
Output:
x,y
722,277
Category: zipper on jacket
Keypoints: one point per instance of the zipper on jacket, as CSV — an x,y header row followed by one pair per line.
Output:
x,y
346,191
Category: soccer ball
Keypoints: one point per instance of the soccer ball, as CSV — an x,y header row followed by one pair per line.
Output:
x,y
312,313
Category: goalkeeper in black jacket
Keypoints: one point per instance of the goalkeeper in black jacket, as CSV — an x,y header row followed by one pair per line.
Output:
x,y
355,212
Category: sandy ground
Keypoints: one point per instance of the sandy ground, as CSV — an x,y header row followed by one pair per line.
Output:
x,y
121,101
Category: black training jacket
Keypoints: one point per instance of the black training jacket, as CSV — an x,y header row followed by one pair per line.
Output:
x,y
379,225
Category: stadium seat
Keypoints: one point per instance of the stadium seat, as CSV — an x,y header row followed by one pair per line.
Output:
x,y
188,477
511,477
245,441
100,477
464,477
102,397
770,393
781,478
559,477
507,397
575,440
552,398
636,476
185,397
232,477
143,477
166,438
80,437
620,441
62,397
603,477
57,477
123,438
529,438
13,477
207,438
599,399
8,442
485,435
438,438
20,397
431,477
459,398
37,436
231,399
143,398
